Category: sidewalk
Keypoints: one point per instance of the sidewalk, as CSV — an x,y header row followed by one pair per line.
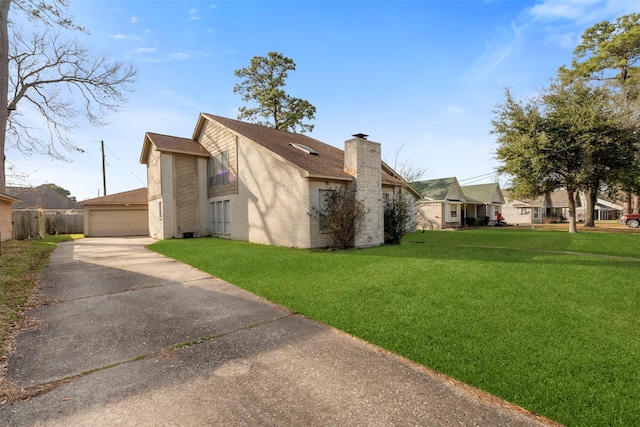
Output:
x,y
135,338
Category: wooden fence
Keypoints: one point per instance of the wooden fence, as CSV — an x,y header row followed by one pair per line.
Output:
x,y
29,224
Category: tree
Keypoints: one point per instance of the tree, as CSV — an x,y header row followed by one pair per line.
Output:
x,y
608,54
52,13
46,68
46,73
262,83
560,140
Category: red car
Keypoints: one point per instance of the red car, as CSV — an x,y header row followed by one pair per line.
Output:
x,y
630,220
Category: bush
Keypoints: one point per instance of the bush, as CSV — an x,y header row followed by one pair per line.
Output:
x,y
398,218
342,216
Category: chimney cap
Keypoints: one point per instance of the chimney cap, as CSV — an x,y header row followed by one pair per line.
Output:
x,y
360,135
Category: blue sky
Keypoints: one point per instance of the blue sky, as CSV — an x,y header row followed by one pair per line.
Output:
x,y
420,77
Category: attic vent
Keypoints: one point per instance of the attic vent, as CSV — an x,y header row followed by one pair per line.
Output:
x,y
304,148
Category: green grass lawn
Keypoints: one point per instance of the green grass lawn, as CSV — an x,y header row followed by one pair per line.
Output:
x,y
531,316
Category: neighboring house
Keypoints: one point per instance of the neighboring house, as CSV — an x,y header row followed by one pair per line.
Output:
x,y
120,214
42,210
6,226
441,205
484,201
605,209
553,207
446,204
42,197
253,183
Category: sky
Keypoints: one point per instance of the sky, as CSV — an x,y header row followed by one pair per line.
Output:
x,y
420,77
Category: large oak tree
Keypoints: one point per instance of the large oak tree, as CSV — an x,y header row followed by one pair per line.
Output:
x,y
560,139
608,55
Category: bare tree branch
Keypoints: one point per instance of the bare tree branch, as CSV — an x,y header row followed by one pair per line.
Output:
x,y
62,81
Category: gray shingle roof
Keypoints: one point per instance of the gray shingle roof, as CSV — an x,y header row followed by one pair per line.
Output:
x,y
435,189
42,196
482,193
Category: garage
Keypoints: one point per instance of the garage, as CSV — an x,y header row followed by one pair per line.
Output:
x,y
120,214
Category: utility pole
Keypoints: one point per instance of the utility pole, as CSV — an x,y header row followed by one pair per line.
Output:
x,y
104,173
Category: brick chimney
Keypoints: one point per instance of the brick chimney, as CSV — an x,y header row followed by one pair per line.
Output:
x,y
362,160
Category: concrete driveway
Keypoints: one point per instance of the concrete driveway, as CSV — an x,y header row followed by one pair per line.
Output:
x,y
131,337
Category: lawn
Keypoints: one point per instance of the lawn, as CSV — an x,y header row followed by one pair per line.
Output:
x,y
544,319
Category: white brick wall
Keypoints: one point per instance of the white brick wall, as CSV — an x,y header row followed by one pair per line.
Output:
x,y
363,161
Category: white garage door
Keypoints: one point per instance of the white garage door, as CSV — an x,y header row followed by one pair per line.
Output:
x,y
126,222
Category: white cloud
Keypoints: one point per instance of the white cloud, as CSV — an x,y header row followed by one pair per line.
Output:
x,y
583,12
134,20
145,50
118,36
180,56
495,54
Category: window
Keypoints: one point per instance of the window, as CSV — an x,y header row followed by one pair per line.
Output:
x,y
160,210
219,169
322,207
454,211
536,213
220,218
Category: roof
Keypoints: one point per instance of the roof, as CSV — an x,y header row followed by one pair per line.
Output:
x,y
134,197
171,144
7,198
328,163
483,193
435,189
42,196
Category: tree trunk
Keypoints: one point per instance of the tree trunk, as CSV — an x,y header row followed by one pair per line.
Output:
x,y
4,86
572,210
591,194
627,203
635,202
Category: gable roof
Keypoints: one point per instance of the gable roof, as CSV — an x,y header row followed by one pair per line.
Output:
x,y
171,144
41,196
138,196
483,193
439,189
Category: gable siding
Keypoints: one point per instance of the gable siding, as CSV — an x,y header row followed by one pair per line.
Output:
x,y
274,197
186,206
153,174
217,139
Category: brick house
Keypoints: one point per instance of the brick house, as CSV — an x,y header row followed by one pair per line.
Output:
x,y
253,183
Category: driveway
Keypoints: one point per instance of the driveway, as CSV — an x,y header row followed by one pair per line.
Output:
x,y
130,337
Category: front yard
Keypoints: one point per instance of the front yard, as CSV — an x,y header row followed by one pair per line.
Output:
x,y
544,319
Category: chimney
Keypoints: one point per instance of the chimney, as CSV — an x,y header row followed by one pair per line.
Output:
x,y
363,161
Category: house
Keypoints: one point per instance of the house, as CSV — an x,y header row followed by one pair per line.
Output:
x,y
42,210
42,197
484,201
446,204
120,214
552,207
253,183
441,204
6,226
